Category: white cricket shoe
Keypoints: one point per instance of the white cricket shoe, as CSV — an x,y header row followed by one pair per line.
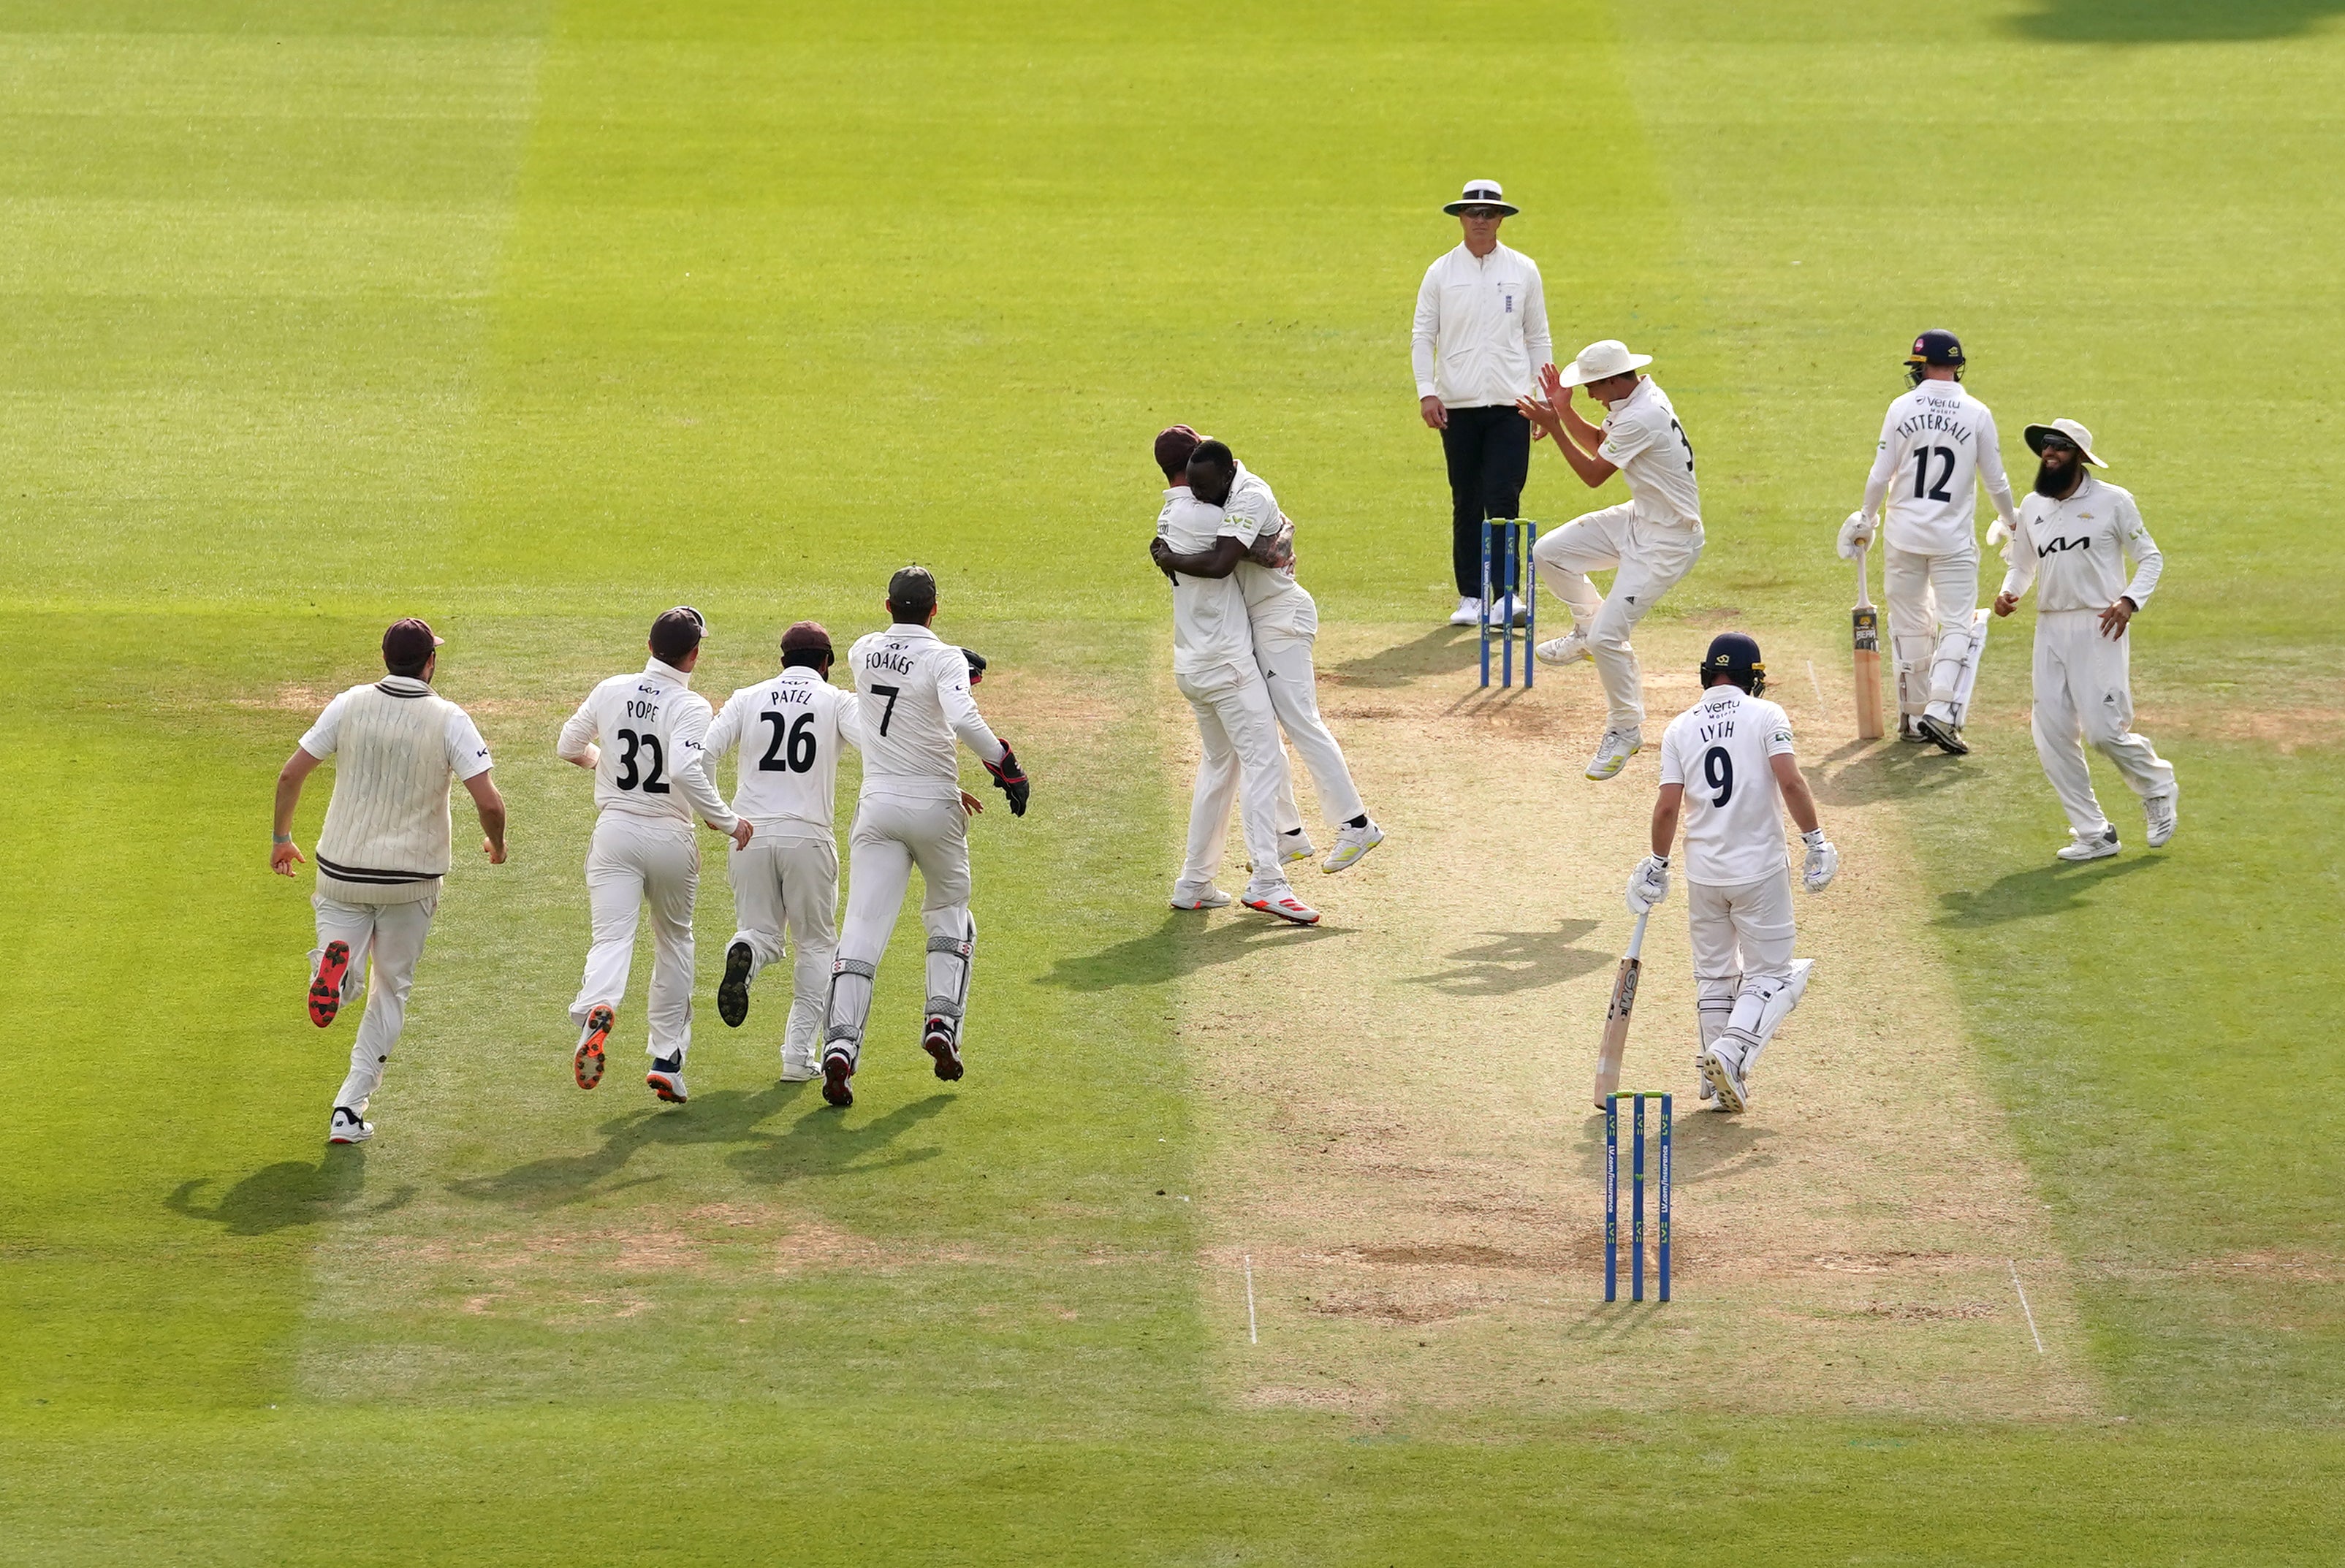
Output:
x,y
1467,613
1721,1068
1351,844
347,1125
1284,904
1568,649
733,991
1701,1075
2100,846
2160,811
666,1079
1613,753
799,1069
1296,847
1203,898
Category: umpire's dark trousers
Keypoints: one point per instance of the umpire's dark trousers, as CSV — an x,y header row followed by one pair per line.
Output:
x,y
1489,453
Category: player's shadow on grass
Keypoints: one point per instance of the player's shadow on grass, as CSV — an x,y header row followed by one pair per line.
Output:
x,y
2039,890
723,1116
1444,651
1704,1144
824,1143
2169,21
1862,773
1184,944
288,1193
1512,961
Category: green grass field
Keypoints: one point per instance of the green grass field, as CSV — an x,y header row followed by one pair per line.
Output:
x,y
536,318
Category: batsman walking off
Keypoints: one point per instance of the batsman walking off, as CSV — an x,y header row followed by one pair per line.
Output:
x,y
1729,771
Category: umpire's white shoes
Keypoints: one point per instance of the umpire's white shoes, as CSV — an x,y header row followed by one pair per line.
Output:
x,y
1200,898
1509,610
733,991
347,1125
2099,847
1467,613
1351,844
666,1079
1568,649
2162,814
1285,905
1613,753
1721,1067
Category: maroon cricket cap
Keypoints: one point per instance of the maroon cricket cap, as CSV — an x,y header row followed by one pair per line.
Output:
x,y
1173,447
408,642
805,637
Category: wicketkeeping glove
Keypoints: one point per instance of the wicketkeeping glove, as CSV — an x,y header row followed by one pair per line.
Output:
x,y
976,664
1648,883
1822,863
1011,778
1997,533
1855,532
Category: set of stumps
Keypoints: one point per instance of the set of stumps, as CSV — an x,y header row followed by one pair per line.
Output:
x,y
1636,1199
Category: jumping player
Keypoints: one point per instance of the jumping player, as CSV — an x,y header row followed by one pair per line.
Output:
x,y
1654,537
1937,455
786,882
913,712
2073,533
1727,768
640,735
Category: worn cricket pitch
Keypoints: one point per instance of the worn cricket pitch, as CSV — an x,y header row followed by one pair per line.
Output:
x,y
1399,1134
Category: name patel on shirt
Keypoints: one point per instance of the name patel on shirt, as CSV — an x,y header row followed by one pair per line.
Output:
x,y
797,694
1934,421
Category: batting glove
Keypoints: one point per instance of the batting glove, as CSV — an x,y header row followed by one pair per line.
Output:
x,y
1854,534
1648,883
1822,863
976,664
1011,778
1998,533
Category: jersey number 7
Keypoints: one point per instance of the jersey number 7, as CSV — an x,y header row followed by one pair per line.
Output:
x,y
887,712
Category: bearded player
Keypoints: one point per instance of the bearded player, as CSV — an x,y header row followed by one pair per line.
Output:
x,y
1729,771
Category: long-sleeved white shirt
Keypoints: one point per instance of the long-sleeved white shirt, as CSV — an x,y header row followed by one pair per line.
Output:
x,y
1275,600
913,704
789,729
2073,550
1481,332
651,727
1938,451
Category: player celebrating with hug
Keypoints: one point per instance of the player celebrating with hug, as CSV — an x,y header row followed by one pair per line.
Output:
x,y
1727,768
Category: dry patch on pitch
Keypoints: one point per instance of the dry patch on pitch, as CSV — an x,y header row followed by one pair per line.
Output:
x,y
1399,1138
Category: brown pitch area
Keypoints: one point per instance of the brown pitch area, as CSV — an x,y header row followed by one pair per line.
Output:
x,y
1395,1104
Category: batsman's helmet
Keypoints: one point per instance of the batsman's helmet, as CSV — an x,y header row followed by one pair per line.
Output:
x,y
1735,656
1935,346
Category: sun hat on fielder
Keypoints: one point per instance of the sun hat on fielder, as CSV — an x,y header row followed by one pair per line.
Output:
x,y
2077,435
1482,193
1598,360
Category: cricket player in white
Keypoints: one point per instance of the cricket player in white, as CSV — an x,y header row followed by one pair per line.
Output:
x,y
786,882
2074,533
383,848
1653,539
1197,547
914,710
1284,620
1727,768
1938,452
642,735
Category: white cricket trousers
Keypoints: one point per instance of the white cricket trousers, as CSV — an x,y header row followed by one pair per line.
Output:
x,y
1237,734
892,834
634,862
1742,934
785,885
2083,691
1932,599
1285,659
1651,558
385,940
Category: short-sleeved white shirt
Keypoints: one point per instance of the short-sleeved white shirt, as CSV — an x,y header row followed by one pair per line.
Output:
x,y
1644,440
1275,602
468,754
1210,626
1733,816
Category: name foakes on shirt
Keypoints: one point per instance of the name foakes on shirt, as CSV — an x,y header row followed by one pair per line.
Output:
x,y
890,659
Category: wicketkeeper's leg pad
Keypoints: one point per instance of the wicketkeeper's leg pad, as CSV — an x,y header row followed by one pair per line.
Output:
x,y
952,957
849,1007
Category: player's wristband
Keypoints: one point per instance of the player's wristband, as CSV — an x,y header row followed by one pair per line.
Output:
x,y
1814,838
281,838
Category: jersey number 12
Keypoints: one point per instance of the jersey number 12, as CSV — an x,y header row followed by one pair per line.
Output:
x,y
1922,489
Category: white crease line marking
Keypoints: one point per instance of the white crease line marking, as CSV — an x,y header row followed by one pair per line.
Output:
x,y
1254,1336
2024,1307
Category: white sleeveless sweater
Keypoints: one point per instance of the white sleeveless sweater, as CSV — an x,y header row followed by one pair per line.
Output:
x,y
386,838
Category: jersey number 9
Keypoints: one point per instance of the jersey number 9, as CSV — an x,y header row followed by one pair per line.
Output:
x,y
1718,771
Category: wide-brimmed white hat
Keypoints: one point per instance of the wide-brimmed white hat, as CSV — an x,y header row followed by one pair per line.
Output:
x,y
1482,193
2074,432
1598,360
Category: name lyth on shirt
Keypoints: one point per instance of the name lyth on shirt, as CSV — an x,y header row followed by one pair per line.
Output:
x,y
1718,730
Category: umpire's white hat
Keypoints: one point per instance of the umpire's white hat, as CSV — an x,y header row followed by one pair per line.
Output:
x,y
2069,430
1482,193
1598,360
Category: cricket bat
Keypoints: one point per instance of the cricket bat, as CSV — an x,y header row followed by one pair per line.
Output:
x,y
1616,1017
1865,632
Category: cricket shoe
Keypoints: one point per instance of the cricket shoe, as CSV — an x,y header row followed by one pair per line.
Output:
x,y
1351,844
1942,733
1509,610
347,1125
733,991
1909,730
325,986
799,1069
666,1079
2099,846
1613,753
837,1070
1285,905
943,1049
2163,815
1723,1071
1701,1075
1467,613
1295,848
1209,898
1568,649
587,1062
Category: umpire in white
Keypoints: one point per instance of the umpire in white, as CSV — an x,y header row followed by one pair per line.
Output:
x,y
385,846
1479,337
